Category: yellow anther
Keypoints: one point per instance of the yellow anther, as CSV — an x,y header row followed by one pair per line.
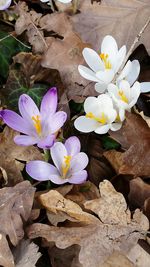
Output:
x,y
102,119
123,97
105,60
66,165
37,124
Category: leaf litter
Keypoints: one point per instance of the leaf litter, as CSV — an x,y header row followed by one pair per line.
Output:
x,y
85,225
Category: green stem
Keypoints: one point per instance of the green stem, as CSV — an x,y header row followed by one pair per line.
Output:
x,y
46,154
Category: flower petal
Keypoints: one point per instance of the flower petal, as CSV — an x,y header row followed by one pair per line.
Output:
x,y
72,145
105,76
56,179
100,87
78,177
87,73
49,102
120,58
16,122
102,129
85,125
25,140
135,92
65,1
27,107
90,104
134,73
115,126
93,59
40,170
78,162
124,73
58,152
145,87
109,47
6,4
57,121
47,142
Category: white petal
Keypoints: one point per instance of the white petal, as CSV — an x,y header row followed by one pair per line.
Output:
x,y
90,104
122,114
111,114
87,73
93,59
102,129
79,162
115,126
105,76
85,125
120,58
145,87
100,87
125,71
105,101
135,92
58,152
134,73
109,46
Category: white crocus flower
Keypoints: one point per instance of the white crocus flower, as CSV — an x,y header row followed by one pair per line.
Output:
x,y
99,117
124,96
103,66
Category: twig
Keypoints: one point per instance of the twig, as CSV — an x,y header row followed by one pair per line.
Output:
x,y
15,39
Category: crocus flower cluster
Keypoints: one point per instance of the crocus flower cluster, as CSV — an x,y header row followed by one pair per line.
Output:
x,y
117,86
69,164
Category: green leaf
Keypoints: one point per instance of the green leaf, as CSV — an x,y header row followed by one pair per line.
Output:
x,y
17,85
8,48
108,143
76,107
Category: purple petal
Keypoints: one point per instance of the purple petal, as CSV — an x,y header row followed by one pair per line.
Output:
x,y
6,5
27,107
73,145
78,162
58,152
40,170
16,122
25,140
78,177
58,120
47,142
49,102
56,179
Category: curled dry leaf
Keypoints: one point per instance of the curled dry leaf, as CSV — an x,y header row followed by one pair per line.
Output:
x,y
61,209
135,136
6,257
10,153
26,254
112,17
15,205
97,241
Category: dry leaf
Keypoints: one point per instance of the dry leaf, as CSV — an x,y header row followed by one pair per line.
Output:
x,y
117,260
61,209
122,19
26,254
15,205
134,135
97,241
6,257
10,153
139,256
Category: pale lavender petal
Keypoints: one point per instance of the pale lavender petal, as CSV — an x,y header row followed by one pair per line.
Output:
x,y
49,102
56,179
57,121
58,152
72,145
25,140
27,107
78,162
78,177
47,142
40,170
16,122
5,5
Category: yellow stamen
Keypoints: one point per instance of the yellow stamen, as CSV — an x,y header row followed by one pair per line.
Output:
x,y
37,124
66,165
118,118
107,63
102,119
123,97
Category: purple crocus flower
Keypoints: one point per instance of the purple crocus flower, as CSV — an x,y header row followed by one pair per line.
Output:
x,y
39,127
4,4
69,164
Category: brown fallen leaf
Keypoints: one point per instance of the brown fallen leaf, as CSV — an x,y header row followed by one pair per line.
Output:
x,y
26,254
139,192
117,259
97,241
139,256
61,209
6,257
15,206
10,154
122,19
135,137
